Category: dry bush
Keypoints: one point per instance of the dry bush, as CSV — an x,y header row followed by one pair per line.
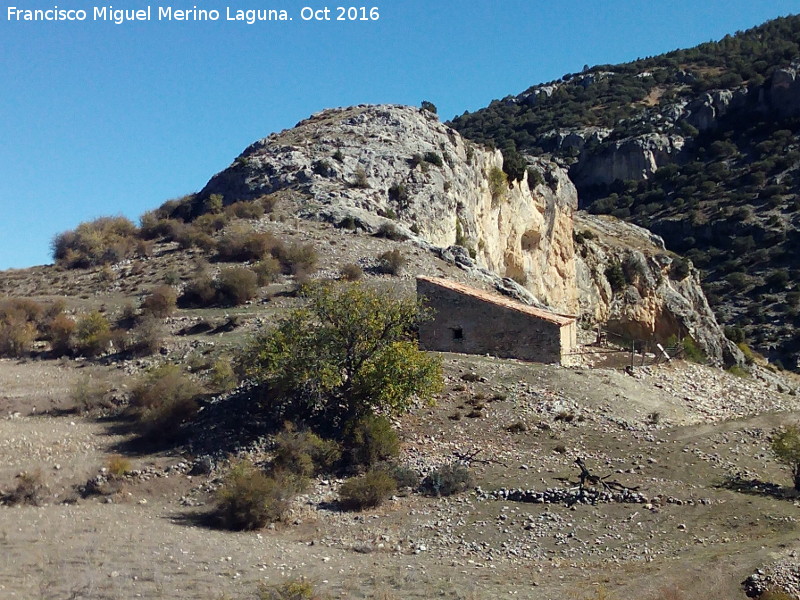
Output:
x,y
59,331
163,400
367,491
242,245
249,499
391,262
117,465
17,334
447,480
102,241
200,292
90,393
390,231
193,237
30,490
269,202
352,272
92,334
267,270
148,336
245,210
294,589
236,285
304,453
161,302
297,258
211,223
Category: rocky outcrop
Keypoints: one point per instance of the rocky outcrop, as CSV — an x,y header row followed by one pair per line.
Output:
x,y
783,95
373,165
631,158
705,111
655,299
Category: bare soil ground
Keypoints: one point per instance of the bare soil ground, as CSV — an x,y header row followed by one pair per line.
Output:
x,y
144,540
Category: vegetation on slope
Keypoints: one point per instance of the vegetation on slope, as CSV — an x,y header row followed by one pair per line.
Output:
x,y
729,200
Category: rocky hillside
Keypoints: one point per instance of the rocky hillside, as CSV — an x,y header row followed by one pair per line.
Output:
x,y
398,172
702,146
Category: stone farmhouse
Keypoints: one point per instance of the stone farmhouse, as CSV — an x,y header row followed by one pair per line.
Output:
x,y
471,321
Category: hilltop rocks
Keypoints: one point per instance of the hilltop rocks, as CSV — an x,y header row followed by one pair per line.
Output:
x,y
365,165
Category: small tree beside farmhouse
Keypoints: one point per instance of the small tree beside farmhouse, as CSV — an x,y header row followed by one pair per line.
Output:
x,y
348,353
786,447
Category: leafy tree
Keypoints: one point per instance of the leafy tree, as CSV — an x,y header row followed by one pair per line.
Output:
x,y
429,106
786,447
348,353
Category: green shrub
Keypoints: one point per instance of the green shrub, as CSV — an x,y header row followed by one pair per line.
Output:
x,y
367,491
249,499
391,262
433,158
213,204
236,286
92,334
535,178
348,352
404,477
211,223
161,302
749,355
447,480
371,440
191,236
615,276
786,448
352,272
390,231
679,269
498,184
323,168
429,107
222,377
398,192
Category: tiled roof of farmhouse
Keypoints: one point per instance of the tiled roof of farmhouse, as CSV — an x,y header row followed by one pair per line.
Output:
x,y
497,300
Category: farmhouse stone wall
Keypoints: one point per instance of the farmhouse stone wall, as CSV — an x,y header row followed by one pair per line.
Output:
x,y
469,321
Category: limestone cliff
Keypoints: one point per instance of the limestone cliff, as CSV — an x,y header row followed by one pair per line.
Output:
x,y
390,166
372,165
654,296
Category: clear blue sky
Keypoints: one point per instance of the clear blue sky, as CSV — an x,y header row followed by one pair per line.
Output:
x,y
99,119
